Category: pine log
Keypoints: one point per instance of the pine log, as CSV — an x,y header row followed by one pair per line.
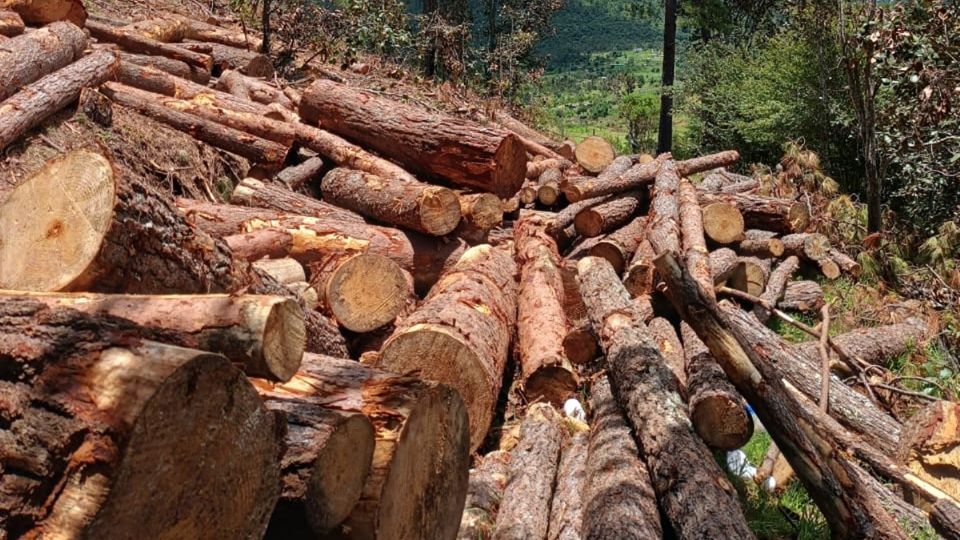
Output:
x,y
580,344
878,345
296,177
618,500
487,482
664,336
254,89
524,130
723,263
696,497
36,102
548,186
168,65
566,509
481,212
418,479
525,507
136,43
639,277
619,246
258,194
844,262
609,215
28,57
722,223
307,295
803,296
762,244
546,373
536,168
528,192
778,215
167,30
945,519
10,23
594,154
692,236
461,152
432,210
285,271
42,12
227,59
203,31
160,82
576,187
664,212
776,285
807,246
564,219
93,412
716,409
928,446
750,275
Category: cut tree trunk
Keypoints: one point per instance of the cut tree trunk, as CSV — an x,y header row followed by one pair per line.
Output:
x,y
618,499
664,212
461,152
173,67
525,508
461,333
808,246
566,509
609,215
264,334
432,210
716,409
750,276
535,169
619,246
296,177
160,82
285,271
803,296
723,263
580,344
41,12
480,212
94,412
722,223
36,102
528,192
135,43
487,482
762,244
255,193
548,186
945,519
844,262
575,188
776,286
541,321
27,57
418,479
778,215
594,154
226,59
664,336
561,226
878,345
692,237
253,89
203,31
167,30
10,23
639,277
694,494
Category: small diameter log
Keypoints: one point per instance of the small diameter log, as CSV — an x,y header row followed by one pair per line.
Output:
x,y
695,496
487,482
528,192
27,57
226,59
594,154
618,500
459,151
461,332
36,102
42,12
535,169
563,220
255,193
776,286
136,43
722,223
664,336
639,275
481,212
10,23
576,187
566,509
160,82
877,345
173,67
717,411
619,246
541,321
285,271
203,31
548,186
525,507
844,262
167,30
580,344
723,263
778,215
762,244
253,89
432,210
296,177
803,296
93,412
609,215
418,477
750,275
808,246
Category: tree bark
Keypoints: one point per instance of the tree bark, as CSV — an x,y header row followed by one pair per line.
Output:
x,y
548,186
525,507
639,277
257,194
778,215
10,23
285,271
93,412
723,263
167,30
42,12
168,65
804,296
36,102
576,187
461,152
877,345
618,499
226,59
136,43
535,169
580,344
481,212
776,286
945,519
561,226
202,31
665,130
296,177
432,210
28,57
844,262
808,246
246,87
664,336
762,244
664,214
487,482
609,215
594,154
692,239
928,445
566,509
619,246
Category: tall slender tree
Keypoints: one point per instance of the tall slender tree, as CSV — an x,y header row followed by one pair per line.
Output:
x,y
665,131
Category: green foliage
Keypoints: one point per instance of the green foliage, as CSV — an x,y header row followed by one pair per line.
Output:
x,y
934,374
640,110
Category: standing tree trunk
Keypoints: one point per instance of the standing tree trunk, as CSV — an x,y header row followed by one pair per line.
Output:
x,y
665,131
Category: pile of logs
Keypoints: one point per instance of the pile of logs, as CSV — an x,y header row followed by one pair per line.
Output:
x,y
323,352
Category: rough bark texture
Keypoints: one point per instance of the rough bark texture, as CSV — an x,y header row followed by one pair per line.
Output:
x,y
226,59
776,286
35,102
619,246
807,246
929,445
40,12
639,276
878,345
803,296
480,212
844,262
618,499
27,57
536,168
136,43
609,215
757,243
298,176
777,215
561,226
723,263
255,193
580,343
548,186
461,152
93,412
664,336
566,510
487,482
945,519
10,23
594,154
692,236
202,31
665,210
525,507
160,82
575,189
461,332
169,65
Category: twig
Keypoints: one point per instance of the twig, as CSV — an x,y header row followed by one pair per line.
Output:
x,y
824,358
905,392
946,394
51,144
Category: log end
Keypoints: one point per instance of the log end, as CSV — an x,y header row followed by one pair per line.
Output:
x,y
749,277
511,166
339,473
589,223
284,340
367,292
829,268
552,383
723,423
486,211
798,216
776,248
612,253
594,154
723,223
439,210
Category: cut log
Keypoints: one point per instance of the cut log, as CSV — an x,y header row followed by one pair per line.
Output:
x,y
717,411
160,82
285,271
945,519
878,345
487,482
167,30
168,65
227,59
523,130
639,276
255,149
433,210
778,215
418,479
461,152
618,500
576,187
42,12
254,89
93,413
803,296
535,169
619,246
525,507
258,194
27,57
664,224
930,446
296,177
594,154
546,373
844,262
203,31
37,101
566,509
722,223
548,186
307,295
609,215
807,246
664,336
10,23
692,239
762,244
580,344
776,286
481,212
750,276
136,43
563,219
723,263
695,496
528,192
461,332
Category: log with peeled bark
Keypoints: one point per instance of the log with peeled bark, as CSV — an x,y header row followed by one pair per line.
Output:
x,y
580,344
535,169
695,495
167,30
432,210
37,101
487,482
716,409
285,271
750,275
94,411
296,177
10,23
136,43
566,509
264,334
226,59
877,345
460,334
722,223
618,499
548,186
770,214
804,296
639,278
168,65
762,244
546,372
619,246
525,506
418,478
843,262
574,188
776,286
27,57
42,12
461,152
594,154
610,215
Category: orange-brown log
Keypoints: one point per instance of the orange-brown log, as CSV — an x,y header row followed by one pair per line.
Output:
x,y
10,23
778,215
762,244
639,275
723,263
168,65
619,246
286,271
722,223
610,215
580,344
548,186
692,236
136,43
42,12
804,296
226,59
487,482
665,337
844,262
480,213
254,193
296,177
27,57
594,154
537,168
776,285
750,275
575,187
664,225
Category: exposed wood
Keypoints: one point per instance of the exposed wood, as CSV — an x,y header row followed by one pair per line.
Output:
x,y
769,214
723,263
203,31
664,336
525,507
639,275
777,285
487,482
226,59
619,246
169,65
528,192
803,296
296,177
10,23
750,275
137,43
254,89
762,244
594,154
548,186
580,344
480,212
35,102
929,445
535,169
878,345
610,215
41,12
722,223
807,246
285,271
574,188
844,262
563,219
255,193
566,509
307,295
27,57
167,30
